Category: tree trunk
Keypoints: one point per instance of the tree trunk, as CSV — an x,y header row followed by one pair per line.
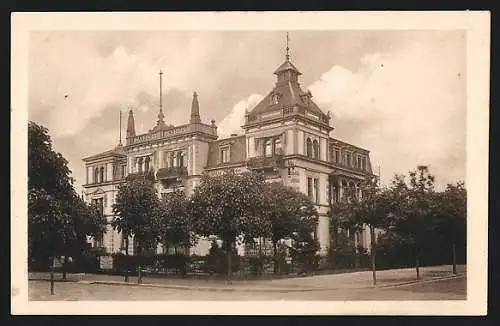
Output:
x,y
417,266
65,266
373,254
126,254
52,275
229,249
275,253
139,272
454,252
356,251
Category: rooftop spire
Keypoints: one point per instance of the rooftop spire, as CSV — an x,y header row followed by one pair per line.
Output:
x,y
160,114
287,48
195,110
130,124
120,142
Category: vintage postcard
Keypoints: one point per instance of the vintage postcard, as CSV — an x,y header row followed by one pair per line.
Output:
x,y
304,163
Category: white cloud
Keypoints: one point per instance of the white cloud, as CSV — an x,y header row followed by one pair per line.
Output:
x,y
80,86
409,105
235,119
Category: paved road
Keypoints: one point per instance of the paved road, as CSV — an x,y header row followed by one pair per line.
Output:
x,y
354,280
449,289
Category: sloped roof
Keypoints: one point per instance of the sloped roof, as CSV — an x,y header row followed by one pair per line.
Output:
x,y
117,151
291,94
287,65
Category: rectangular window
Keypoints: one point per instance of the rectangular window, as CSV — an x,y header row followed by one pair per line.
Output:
x,y
337,156
310,188
363,164
316,191
359,162
99,202
224,154
348,159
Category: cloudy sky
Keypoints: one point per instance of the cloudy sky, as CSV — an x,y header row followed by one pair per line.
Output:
x,y
400,94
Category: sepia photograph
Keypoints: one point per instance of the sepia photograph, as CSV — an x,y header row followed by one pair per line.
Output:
x,y
275,158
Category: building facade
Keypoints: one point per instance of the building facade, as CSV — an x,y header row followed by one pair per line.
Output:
x,y
286,136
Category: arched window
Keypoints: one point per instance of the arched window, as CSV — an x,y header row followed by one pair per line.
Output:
x,y
316,149
277,146
147,160
352,190
268,147
170,159
344,190
101,179
359,191
96,175
139,164
180,159
309,147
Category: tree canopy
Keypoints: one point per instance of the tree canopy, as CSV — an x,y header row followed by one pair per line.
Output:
x,y
136,212
58,219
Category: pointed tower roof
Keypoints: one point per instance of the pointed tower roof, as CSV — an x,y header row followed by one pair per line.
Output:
x,y
195,110
285,66
130,124
287,94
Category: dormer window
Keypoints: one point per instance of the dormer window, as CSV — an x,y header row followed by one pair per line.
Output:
x,y
275,98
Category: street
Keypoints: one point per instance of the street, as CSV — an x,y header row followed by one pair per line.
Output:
x,y
353,286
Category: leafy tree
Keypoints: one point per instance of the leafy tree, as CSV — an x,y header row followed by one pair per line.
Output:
x,y
228,206
305,244
136,214
175,223
372,209
285,208
412,208
450,220
58,219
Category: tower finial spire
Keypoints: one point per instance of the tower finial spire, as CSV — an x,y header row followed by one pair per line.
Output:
x,y
287,48
160,114
195,110
120,142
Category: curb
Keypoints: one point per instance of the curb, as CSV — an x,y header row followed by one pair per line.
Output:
x,y
429,280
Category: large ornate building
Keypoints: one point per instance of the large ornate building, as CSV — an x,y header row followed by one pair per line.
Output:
x,y
286,136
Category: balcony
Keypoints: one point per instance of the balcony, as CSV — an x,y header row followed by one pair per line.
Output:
x,y
172,173
266,162
140,175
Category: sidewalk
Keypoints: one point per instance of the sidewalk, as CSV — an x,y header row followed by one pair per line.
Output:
x,y
356,280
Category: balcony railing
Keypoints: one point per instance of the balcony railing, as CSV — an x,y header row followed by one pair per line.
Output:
x,y
266,162
171,173
141,175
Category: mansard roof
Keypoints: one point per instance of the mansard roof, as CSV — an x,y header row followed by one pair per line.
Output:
x,y
291,94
